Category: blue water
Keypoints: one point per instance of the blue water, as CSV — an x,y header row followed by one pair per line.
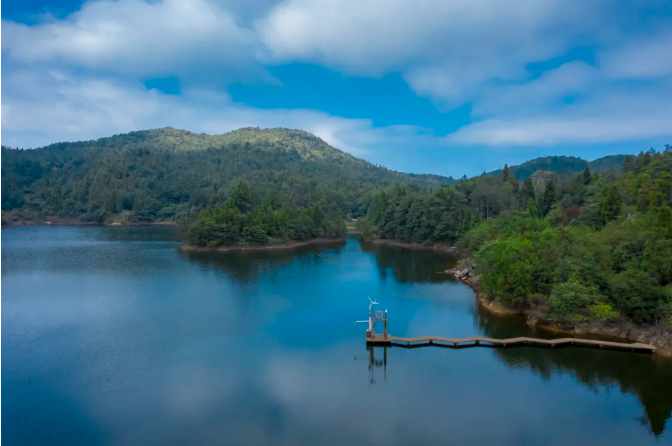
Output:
x,y
113,336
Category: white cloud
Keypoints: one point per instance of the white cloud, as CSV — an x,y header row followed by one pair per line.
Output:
x,y
445,48
453,51
646,58
537,95
40,108
136,37
624,97
605,117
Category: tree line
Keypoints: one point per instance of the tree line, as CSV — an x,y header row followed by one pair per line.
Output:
x,y
169,175
245,219
572,249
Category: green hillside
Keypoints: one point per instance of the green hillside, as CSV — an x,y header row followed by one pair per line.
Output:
x,y
163,174
569,249
564,165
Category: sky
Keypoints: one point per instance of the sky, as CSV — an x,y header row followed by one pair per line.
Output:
x,y
450,87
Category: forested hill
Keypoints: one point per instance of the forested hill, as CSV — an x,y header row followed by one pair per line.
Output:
x,y
563,165
163,174
576,249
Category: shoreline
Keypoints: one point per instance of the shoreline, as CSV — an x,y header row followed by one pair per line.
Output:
x,y
659,338
321,241
438,247
86,223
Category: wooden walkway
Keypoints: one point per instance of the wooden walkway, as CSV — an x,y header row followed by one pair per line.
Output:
x,y
381,339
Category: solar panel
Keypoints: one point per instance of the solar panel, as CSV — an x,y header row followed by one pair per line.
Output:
x,y
379,314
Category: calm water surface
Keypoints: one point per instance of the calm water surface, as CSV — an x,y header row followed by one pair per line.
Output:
x,y
113,336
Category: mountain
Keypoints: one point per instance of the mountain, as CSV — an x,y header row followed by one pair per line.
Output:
x,y
166,173
564,165
611,162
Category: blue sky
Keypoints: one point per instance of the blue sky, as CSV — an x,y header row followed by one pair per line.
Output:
x,y
450,87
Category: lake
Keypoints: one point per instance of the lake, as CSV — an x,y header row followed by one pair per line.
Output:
x,y
110,335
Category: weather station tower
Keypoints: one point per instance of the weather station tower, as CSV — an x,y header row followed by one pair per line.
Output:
x,y
379,316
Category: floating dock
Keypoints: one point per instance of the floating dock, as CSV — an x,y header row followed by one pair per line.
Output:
x,y
477,341
385,338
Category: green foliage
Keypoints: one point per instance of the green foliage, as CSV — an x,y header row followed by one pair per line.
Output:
x,y
564,166
238,221
366,229
549,198
571,242
570,301
638,295
169,174
610,202
578,248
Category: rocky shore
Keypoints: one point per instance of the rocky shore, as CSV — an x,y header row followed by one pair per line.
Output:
x,y
438,247
658,336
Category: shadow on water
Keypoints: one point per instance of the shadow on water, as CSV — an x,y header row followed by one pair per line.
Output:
x,y
644,375
137,250
647,377
375,362
411,265
248,266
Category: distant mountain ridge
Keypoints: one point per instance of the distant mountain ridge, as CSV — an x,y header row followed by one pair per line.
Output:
x,y
162,174
564,165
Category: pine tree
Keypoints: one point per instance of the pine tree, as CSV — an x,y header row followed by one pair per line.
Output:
x,y
644,192
587,177
610,202
242,197
527,192
549,197
506,173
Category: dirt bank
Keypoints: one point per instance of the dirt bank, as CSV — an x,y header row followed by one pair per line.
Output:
x,y
192,248
446,248
658,336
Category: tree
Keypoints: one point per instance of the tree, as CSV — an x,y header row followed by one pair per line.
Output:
x,y
570,301
549,197
506,174
637,295
628,164
527,192
365,228
644,192
587,177
662,190
610,202
242,197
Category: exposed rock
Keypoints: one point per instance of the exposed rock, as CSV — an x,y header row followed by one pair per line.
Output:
x,y
658,336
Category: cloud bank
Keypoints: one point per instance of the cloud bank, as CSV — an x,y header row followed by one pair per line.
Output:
x,y
531,72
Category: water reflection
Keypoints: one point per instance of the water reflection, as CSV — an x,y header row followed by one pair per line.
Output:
x,y
648,377
411,265
248,266
88,249
144,344
375,363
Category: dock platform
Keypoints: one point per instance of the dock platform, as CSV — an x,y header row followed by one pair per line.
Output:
x,y
477,341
